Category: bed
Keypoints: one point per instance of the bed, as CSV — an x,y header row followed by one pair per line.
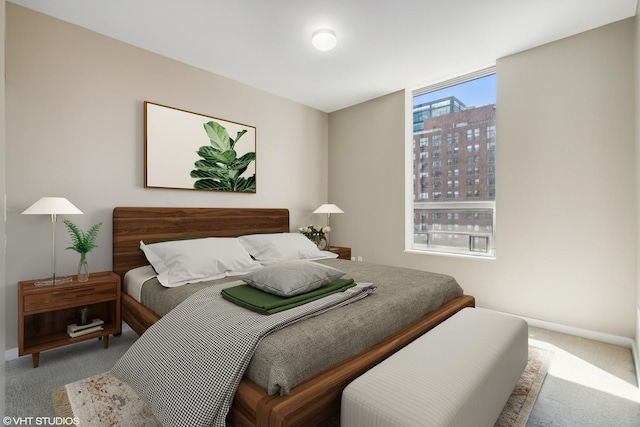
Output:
x,y
315,398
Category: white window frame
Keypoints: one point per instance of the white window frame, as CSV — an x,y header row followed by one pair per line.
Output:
x,y
473,236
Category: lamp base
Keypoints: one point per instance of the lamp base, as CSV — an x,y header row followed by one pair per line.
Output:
x,y
53,282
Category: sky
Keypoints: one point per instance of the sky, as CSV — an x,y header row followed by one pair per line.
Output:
x,y
474,93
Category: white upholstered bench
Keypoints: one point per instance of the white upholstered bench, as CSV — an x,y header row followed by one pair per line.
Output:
x,y
461,373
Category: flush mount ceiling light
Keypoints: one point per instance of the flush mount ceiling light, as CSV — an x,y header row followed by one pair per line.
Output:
x,y
324,40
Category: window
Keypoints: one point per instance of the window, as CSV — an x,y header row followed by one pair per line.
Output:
x,y
491,132
455,222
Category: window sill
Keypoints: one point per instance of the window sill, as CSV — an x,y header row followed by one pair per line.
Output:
x,y
450,254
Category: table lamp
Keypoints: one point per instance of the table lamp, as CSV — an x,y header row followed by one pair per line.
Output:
x,y
328,208
52,206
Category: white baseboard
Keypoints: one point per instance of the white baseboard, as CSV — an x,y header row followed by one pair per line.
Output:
x,y
12,353
583,333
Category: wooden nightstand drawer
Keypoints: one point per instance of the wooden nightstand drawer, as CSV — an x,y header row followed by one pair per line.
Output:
x,y
42,300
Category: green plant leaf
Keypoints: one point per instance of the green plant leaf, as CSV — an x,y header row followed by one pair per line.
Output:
x,y
214,173
208,153
210,184
206,165
243,162
218,136
246,185
210,174
82,242
238,136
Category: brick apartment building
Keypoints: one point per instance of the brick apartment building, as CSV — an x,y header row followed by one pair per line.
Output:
x,y
453,161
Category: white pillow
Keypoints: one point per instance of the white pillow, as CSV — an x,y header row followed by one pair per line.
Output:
x,y
294,277
275,247
180,262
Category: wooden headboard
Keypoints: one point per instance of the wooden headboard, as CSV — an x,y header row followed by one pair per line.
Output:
x,y
132,224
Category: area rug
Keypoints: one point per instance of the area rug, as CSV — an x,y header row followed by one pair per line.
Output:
x,y
517,409
103,400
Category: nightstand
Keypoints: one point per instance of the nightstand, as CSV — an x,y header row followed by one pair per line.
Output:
x,y
343,253
44,312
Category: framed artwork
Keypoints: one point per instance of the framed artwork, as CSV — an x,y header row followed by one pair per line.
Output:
x,y
190,151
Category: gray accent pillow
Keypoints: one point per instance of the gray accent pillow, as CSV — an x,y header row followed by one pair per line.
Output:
x,y
294,277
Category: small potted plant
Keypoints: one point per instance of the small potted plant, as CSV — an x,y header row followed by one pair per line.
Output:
x,y
83,243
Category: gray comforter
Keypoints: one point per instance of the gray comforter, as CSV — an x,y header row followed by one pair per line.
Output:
x,y
286,357
188,365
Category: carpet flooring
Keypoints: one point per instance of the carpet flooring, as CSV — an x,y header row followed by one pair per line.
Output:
x,y
102,400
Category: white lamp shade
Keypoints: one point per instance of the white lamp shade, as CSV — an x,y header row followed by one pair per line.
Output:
x,y
328,208
52,206
324,40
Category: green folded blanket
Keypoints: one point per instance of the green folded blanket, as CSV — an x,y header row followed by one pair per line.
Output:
x,y
266,303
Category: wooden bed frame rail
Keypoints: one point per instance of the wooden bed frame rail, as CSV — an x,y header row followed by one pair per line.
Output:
x,y
310,402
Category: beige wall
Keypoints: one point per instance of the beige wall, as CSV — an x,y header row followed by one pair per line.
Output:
x,y
565,185
75,129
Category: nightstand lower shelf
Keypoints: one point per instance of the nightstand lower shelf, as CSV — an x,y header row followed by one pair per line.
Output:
x,y
61,339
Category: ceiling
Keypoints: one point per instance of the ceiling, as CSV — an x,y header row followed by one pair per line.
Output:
x,y
383,45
